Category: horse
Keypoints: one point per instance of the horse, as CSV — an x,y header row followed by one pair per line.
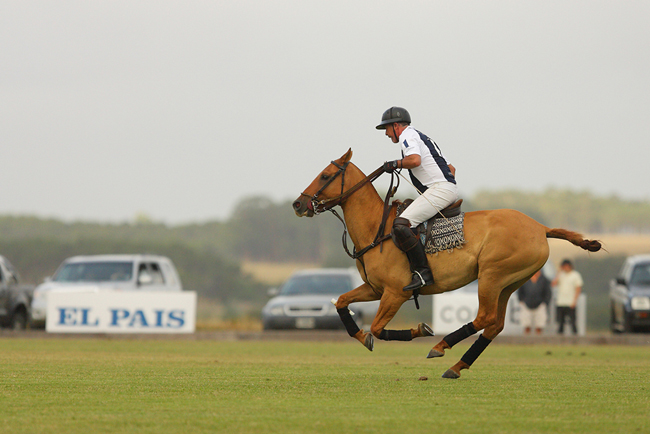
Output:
x,y
503,249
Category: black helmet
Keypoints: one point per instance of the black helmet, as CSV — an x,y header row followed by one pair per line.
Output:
x,y
392,115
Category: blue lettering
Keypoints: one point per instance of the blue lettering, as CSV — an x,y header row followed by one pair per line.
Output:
x,y
65,316
84,318
159,318
138,316
178,316
118,314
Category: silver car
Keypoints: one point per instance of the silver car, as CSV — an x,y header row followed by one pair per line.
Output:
x,y
305,301
629,296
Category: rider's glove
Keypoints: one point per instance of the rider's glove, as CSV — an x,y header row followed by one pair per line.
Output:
x,y
390,166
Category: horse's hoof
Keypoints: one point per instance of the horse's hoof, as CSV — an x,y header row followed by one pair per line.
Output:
x,y
435,353
451,374
369,342
425,330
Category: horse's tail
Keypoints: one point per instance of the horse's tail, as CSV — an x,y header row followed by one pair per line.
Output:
x,y
574,238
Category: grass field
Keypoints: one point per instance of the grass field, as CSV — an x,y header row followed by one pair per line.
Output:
x,y
65,385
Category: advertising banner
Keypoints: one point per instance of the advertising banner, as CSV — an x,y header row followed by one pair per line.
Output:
x,y
452,310
108,311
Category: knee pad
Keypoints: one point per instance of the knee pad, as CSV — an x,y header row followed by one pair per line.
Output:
x,y
402,235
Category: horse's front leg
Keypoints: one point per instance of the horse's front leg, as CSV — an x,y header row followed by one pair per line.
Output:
x,y
360,294
390,304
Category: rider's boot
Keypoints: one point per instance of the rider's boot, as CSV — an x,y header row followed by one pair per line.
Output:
x,y
410,244
422,275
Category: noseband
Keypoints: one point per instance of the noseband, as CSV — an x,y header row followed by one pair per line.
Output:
x,y
327,204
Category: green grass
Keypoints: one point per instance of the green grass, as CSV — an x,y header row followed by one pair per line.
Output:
x,y
168,386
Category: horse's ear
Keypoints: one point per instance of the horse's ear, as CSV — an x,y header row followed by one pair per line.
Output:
x,y
347,156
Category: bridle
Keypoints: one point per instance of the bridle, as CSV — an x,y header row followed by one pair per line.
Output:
x,y
319,206
327,204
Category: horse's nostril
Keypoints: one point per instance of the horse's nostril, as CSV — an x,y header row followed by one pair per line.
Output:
x,y
297,205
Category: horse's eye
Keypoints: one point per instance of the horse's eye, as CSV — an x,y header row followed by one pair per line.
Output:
x,y
324,177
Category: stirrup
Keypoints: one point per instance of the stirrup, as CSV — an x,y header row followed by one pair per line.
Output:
x,y
415,285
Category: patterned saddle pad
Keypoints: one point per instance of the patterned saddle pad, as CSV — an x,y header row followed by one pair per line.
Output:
x,y
438,234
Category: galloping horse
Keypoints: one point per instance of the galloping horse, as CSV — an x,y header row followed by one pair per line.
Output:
x,y
503,249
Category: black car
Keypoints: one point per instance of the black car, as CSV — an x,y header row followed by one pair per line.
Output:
x,y
630,296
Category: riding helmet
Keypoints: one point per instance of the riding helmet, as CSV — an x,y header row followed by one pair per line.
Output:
x,y
392,115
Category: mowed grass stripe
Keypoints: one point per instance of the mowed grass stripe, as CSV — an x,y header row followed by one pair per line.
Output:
x,y
146,386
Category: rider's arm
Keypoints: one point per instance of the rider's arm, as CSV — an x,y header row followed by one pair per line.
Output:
x,y
453,170
410,161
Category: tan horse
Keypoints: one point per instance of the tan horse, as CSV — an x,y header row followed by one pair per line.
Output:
x,y
503,249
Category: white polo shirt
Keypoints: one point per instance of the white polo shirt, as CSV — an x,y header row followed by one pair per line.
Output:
x,y
434,167
567,284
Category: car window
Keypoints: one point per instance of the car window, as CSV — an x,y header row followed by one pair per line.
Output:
x,y
95,272
156,274
316,284
168,274
641,275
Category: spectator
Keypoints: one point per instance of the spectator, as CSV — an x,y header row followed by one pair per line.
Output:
x,y
534,298
569,285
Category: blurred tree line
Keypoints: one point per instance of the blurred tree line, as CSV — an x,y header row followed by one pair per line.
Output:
x,y
208,255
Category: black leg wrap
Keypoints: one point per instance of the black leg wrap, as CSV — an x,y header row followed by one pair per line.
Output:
x,y
348,322
395,335
462,333
475,350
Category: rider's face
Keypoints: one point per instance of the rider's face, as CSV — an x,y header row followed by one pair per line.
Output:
x,y
390,132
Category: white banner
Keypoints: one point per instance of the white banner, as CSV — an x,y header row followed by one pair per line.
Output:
x,y
452,310
108,311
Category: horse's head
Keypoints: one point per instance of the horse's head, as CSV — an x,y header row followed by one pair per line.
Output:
x,y
324,191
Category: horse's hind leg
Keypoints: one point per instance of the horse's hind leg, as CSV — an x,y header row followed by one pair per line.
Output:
x,y
361,293
486,337
487,308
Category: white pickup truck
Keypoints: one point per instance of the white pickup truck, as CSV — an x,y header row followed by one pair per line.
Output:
x,y
100,272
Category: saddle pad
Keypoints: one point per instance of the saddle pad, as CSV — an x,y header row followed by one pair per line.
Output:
x,y
438,234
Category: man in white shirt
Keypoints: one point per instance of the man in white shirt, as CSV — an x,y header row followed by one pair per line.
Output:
x,y
431,174
569,286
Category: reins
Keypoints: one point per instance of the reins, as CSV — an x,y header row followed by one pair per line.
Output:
x,y
320,206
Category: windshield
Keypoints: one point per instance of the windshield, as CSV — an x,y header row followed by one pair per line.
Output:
x,y
641,275
95,272
317,284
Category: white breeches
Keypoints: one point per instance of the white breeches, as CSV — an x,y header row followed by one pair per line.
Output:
x,y
437,197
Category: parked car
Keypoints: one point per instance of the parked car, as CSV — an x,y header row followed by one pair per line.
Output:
x,y
100,272
15,299
629,296
304,301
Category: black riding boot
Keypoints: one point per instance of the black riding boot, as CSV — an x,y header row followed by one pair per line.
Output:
x,y
410,244
422,275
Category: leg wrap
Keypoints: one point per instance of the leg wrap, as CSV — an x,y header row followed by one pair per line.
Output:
x,y
395,335
462,333
348,322
475,350
403,236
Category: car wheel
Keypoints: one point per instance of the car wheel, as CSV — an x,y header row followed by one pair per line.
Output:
x,y
627,326
613,325
18,320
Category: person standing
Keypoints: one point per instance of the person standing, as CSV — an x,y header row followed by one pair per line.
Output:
x,y
569,286
534,298
432,175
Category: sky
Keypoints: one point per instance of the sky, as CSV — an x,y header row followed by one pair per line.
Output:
x,y
180,109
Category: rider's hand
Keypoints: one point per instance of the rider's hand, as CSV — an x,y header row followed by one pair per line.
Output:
x,y
390,166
